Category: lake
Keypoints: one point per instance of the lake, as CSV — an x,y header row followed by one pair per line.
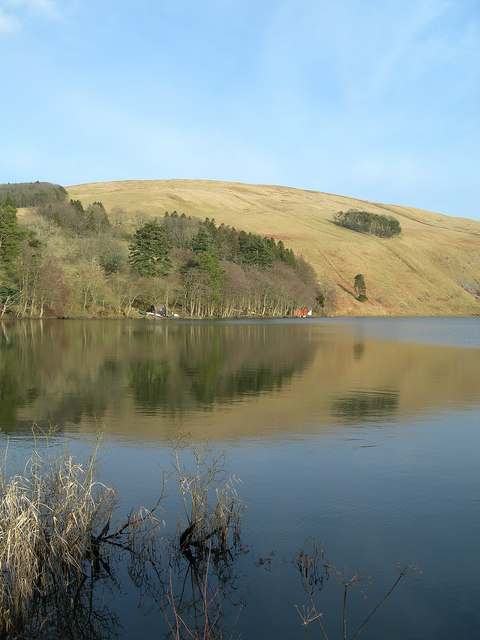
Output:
x,y
359,434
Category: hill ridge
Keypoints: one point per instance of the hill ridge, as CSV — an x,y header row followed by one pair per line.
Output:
x,y
416,273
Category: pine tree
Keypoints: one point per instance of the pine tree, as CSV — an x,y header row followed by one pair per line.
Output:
x,y
360,288
10,236
202,240
149,251
207,258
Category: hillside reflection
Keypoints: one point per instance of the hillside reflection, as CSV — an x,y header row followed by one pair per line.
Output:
x,y
241,379
60,372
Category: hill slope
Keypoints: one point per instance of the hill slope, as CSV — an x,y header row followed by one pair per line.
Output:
x,y
427,270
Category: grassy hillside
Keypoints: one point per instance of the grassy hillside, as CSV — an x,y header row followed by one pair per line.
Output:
x,y
416,273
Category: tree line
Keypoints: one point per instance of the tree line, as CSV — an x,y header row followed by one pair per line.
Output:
x,y
219,271
29,194
64,258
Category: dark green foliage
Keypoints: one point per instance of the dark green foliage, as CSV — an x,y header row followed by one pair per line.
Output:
x,y
227,243
255,251
31,194
208,262
10,236
198,268
360,288
149,251
366,222
8,292
247,249
285,255
202,240
320,299
207,259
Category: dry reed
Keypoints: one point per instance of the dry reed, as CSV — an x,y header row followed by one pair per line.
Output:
x,y
212,513
49,515
314,568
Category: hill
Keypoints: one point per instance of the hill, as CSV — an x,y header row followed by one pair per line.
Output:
x,y
431,268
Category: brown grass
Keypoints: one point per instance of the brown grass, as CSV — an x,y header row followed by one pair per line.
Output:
x,y
431,255
48,516
57,542
212,509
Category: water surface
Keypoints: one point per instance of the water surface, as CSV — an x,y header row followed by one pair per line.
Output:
x,y
362,433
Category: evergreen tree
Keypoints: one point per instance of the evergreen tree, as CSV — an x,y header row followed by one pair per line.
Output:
x,y
149,251
202,240
255,250
209,262
360,288
207,258
367,222
10,236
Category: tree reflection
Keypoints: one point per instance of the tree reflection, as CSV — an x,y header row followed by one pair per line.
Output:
x,y
366,405
18,386
57,373
202,366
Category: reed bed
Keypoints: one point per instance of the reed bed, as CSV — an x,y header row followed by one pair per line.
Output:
x,y
57,544
50,516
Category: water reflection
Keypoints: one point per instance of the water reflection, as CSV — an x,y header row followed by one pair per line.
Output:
x,y
197,366
233,379
358,349
366,405
347,430
61,372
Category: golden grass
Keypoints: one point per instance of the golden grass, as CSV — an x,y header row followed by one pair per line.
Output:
x,y
48,515
55,527
417,273
212,513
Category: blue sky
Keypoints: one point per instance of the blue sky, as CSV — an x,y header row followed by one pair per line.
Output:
x,y
376,100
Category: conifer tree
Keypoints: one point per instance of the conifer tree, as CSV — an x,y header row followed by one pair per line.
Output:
x,y
207,258
10,236
149,251
360,288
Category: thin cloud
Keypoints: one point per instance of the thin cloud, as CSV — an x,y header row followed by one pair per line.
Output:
x,y
8,22
13,12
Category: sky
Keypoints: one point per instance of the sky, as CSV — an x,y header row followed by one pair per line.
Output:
x,y
369,99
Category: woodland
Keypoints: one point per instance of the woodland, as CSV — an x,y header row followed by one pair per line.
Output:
x,y
66,258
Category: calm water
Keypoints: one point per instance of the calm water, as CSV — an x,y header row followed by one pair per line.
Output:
x,y
362,434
